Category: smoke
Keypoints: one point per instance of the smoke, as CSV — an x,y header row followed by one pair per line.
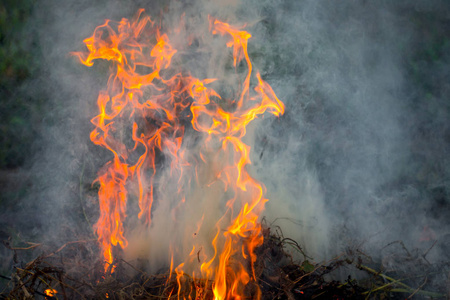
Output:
x,y
360,156
352,148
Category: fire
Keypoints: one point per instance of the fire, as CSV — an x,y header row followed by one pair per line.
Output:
x,y
157,99
50,292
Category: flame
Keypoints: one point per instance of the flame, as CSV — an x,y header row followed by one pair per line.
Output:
x,y
146,91
50,292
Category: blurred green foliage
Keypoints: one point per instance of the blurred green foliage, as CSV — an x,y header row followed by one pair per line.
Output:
x,y
18,63
430,52
427,67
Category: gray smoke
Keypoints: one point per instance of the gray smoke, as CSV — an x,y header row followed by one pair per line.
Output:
x,y
362,150
360,156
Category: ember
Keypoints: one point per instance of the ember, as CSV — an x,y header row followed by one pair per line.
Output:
x,y
50,292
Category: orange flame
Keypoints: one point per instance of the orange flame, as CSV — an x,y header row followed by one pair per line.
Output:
x,y
50,292
156,107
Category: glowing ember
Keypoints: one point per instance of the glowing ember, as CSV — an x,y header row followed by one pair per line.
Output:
x,y
50,292
146,91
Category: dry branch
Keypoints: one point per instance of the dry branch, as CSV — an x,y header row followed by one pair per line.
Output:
x,y
75,276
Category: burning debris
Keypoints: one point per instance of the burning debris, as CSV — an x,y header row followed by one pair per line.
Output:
x,y
74,272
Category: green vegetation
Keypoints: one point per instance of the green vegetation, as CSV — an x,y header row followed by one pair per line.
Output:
x,y
18,63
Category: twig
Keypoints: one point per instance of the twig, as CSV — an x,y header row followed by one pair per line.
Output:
x,y
398,242
406,288
24,290
418,289
55,279
66,244
136,269
426,252
63,288
294,243
5,277
292,220
33,245
381,287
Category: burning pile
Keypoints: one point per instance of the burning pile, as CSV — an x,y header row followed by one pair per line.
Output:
x,y
180,148
144,115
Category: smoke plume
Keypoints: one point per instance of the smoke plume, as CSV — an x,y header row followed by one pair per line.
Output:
x,y
359,158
